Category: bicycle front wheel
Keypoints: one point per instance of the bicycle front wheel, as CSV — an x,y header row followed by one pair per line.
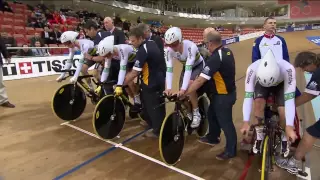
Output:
x,y
266,159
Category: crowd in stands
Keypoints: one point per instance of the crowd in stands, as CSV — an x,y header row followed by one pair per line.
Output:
x,y
24,25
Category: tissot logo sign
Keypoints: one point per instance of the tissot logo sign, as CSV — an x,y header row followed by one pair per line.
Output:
x,y
21,68
9,69
25,67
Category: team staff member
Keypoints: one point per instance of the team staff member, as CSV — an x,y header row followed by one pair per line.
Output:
x,y
3,94
91,29
119,38
157,39
153,81
221,90
309,62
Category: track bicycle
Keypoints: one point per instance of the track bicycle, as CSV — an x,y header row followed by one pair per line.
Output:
x,y
271,144
69,101
109,115
176,125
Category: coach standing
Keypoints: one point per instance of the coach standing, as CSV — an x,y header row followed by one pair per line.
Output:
x,y
148,63
218,78
3,94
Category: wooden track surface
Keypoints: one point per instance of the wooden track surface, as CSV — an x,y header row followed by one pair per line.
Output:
x,y
33,144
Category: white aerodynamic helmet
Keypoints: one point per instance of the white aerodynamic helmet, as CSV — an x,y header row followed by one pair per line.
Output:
x,y
68,36
172,35
106,46
268,72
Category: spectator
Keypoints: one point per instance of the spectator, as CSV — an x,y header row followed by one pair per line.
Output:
x,y
4,6
47,36
39,52
56,35
25,52
9,42
119,37
3,94
82,34
33,21
36,37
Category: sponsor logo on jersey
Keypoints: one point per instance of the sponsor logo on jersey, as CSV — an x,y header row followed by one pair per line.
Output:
x,y
289,96
249,76
206,70
248,95
278,43
137,63
312,85
289,71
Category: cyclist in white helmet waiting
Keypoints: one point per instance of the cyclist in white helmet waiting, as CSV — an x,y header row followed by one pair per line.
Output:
x,y
69,38
263,77
126,54
188,54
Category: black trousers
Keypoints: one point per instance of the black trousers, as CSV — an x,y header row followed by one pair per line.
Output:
x,y
153,114
220,117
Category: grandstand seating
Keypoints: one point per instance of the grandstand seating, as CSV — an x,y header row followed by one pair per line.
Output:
x,y
15,24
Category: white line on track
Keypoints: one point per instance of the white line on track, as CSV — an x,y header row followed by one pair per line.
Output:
x,y
135,152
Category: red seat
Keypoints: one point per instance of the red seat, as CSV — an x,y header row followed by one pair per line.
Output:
x,y
8,14
19,22
18,10
20,38
7,21
19,16
6,28
19,30
30,30
39,30
64,50
28,37
55,50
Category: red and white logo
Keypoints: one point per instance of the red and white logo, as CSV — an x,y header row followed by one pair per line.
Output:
x,y
25,67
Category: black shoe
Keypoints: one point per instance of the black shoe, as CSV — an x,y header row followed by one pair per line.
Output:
x,y
8,105
136,108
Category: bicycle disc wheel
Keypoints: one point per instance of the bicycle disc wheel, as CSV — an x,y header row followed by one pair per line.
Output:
x,y
64,106
266,159
204,124
171,140
107,122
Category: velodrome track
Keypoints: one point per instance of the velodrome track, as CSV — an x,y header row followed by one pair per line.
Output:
x,y
35,146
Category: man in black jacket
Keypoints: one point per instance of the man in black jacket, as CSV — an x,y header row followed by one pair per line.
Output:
x,y
91,58
119,38
3,94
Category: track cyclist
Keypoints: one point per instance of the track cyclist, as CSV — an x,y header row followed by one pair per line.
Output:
x,y
263,77
126,54
188,54
69,38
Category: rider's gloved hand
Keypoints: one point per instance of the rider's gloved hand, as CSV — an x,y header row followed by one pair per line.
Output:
x,y
245,128
118,90
73,79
